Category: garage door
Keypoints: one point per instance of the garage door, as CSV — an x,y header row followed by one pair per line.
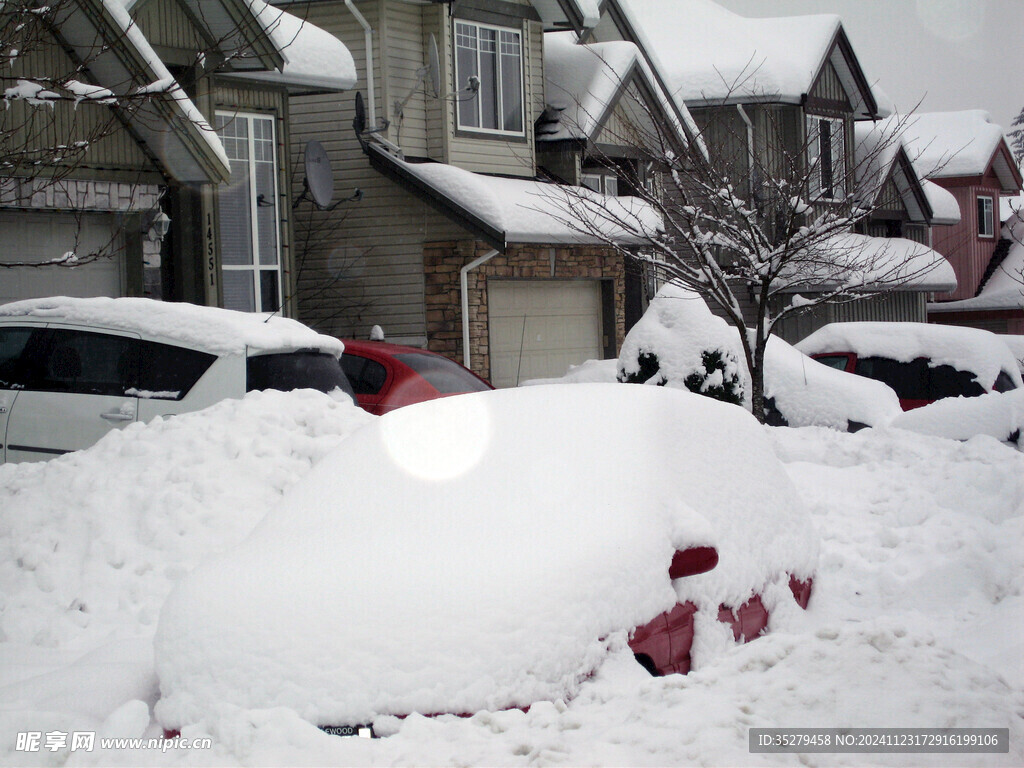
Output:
x,y
538,328
36,237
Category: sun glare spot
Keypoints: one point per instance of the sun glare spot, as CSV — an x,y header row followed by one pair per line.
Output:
x,y
439,440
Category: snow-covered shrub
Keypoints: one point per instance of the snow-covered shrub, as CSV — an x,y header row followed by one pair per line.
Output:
x,y
680,343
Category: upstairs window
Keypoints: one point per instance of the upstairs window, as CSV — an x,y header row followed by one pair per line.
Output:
x,y
986,217
826,158
602,183
489,61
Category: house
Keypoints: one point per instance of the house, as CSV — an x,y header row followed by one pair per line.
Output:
x,y
460,237
966,154
781,97
188,120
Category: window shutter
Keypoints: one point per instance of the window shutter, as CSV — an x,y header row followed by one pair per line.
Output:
x,y
839,159
813,164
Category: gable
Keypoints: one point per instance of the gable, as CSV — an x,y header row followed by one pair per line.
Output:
x,y
840,84
171,31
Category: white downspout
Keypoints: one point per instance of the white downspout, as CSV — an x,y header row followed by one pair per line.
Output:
x,y
464,288
368,34
750,146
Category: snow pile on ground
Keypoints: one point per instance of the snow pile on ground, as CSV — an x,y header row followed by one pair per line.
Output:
x,y
997,414
92,541
808,393
967,349
1016,345
587,372
214,330
449,558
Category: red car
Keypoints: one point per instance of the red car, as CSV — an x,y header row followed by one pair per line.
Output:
x,y
388,376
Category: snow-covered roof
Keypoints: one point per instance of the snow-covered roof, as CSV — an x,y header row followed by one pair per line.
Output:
x,y
580,14
313,57
504,210
967,349
945,208
712,55
1004,288
878,156
964,143
167,120
861,262
214,330
583,82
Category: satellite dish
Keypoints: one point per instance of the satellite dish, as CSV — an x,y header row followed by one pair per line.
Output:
x,y
430,74
319,177
359,121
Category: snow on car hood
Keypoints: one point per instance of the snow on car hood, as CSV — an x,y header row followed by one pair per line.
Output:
x,y
473,552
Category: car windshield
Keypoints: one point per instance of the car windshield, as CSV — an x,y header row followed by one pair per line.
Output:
x,y
833,361
443,375
307,369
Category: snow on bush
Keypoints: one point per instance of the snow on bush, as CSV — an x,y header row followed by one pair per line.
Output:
x,y
680,343
997,414
93,540
967,349
480,552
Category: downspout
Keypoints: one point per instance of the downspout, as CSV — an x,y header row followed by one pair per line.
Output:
x,y
464,288
750,146
368,34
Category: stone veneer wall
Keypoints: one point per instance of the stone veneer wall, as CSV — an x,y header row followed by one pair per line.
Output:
x,y
441,265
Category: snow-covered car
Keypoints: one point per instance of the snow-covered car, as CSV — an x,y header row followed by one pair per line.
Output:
x,y
388,376
489,551
922,362
72,369
679,343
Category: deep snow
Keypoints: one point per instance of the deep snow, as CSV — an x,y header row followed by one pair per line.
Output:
x,y
915,619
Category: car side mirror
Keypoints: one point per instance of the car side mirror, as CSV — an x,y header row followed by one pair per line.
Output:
x,y
692,561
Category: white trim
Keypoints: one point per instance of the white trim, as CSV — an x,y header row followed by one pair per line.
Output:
x,y
990,234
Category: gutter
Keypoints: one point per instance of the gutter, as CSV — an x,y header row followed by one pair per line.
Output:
x,y
368,35
464,290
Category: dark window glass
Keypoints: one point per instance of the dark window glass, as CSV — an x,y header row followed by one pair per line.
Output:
x,y
1003,382
14,372
88,363
909,380
825,149
167,372
296,370
833,361
947,381
442,374
366,376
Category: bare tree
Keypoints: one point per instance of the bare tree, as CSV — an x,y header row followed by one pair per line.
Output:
x,y
762,233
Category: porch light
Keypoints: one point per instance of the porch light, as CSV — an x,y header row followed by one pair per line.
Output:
x,y
159,226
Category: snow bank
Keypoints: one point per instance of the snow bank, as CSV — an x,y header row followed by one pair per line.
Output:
x,y
1016,345
967,349
997,414
214,330
93,540
448,559
678,328
587,372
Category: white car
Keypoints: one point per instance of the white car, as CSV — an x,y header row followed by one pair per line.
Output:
x,y
71,370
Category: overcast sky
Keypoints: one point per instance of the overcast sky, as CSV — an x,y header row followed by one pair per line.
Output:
x,y
953,54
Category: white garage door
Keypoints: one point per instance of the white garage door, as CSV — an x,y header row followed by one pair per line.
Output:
x,y
33,236
538,328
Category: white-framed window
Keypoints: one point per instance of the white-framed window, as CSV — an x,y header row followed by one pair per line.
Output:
x,y
603,183
986,217
826,158
489,60
250,221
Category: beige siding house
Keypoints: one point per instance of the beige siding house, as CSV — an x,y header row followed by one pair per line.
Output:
x,y
450,243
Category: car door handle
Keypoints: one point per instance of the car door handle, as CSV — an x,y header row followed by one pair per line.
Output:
x,y
117,416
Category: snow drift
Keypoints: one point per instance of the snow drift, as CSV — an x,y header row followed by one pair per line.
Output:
x,y
480,552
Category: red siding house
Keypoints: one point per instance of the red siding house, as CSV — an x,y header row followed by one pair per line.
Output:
x,y
967,154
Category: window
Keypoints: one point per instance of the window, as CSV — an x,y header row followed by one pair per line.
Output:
x,y
826,158
296,370
88,364
986,221
599,182
13,342
443,375
249,216
366,376
489,61
167,372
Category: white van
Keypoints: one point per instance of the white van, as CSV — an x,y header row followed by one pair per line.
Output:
x,y
71,370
